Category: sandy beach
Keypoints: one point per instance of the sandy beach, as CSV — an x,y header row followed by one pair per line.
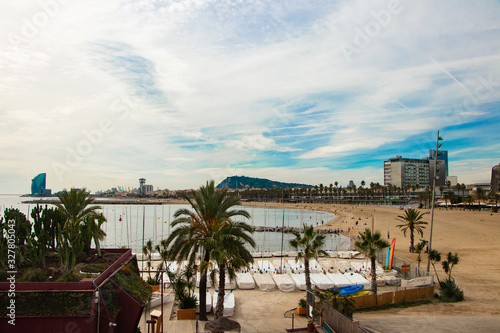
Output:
x,y
471,234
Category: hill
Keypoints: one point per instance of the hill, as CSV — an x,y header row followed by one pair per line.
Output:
x,y
239,182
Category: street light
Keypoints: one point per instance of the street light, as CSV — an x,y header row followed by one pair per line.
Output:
x,y
438,145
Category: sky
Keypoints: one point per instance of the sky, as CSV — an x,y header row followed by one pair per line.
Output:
x,y
98,94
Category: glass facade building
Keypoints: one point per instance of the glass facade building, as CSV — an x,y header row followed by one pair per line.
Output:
x,y
38,185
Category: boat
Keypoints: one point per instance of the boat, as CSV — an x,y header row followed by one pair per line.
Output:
x,y
358,279
245,281
264,281
284,282
266,266
321,281
300,281
349,290
228,283
339,280
156,299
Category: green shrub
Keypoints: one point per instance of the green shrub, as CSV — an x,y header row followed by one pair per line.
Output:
x,y
3,275
450,292
188,302
33,275
68,277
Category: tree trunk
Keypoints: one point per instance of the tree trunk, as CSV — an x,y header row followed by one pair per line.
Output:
x,y
412,241
307,273
203,291
374,275
219,310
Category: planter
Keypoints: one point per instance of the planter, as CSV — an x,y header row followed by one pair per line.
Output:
x,y
310,328
186,314
301,311
154,287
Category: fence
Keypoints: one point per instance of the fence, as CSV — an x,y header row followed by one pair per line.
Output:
x,y
394,297
334,319
414,272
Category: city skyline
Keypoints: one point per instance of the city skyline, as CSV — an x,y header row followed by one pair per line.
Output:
x,y
100,94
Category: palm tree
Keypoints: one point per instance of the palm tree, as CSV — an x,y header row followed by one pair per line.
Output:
x,y
76,206
412,221
228,250
370,244
94,224
309,247
480,194
468,200
495,196
211,208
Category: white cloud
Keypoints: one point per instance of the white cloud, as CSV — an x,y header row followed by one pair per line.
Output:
x,y
226,79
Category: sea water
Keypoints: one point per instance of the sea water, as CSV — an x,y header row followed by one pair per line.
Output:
x,y
132,226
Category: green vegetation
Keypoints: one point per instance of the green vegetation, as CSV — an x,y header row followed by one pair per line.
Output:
x,y
79,228
183,285
68,277
309,247
370,244
129,280
343,304
33,275
450,292
412,220
108,295
239,182
62,304
199,228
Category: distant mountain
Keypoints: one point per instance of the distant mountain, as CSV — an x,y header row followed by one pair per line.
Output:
x,y
241,182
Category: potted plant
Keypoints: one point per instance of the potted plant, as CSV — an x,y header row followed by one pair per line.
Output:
x,y
301,309
310,323
183,287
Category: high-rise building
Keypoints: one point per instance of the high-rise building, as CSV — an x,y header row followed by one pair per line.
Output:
x,y
402,172
443,156
38,185
495,178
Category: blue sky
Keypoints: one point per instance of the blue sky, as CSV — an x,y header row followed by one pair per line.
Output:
x,y
98,94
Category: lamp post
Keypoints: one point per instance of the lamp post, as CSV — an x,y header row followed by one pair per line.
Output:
x,y
438,145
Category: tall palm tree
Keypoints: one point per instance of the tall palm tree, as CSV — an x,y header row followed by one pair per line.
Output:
x,y
480,194
76,206
227,249
210,208
309,246
370,244
412,220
